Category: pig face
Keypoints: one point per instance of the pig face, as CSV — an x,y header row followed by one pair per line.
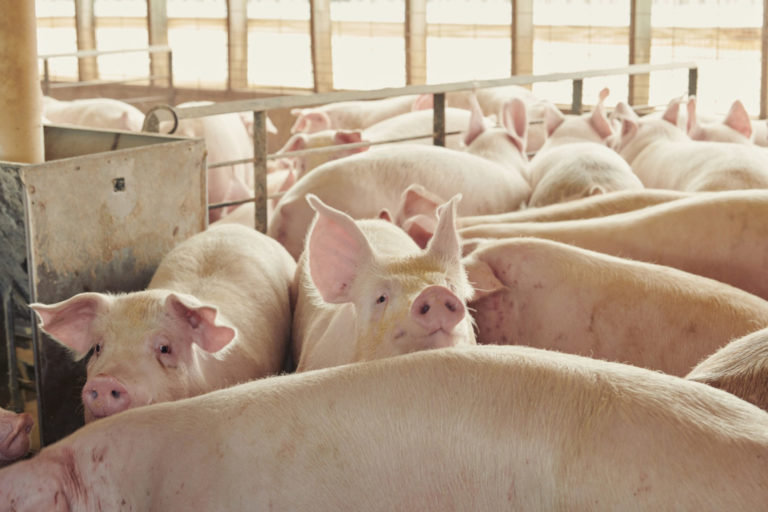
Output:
x,y
403,303
146,347
14,435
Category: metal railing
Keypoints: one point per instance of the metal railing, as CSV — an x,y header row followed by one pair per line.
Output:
x,y
151,79
261,106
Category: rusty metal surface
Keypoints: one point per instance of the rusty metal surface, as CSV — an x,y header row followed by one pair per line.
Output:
x,y
97,219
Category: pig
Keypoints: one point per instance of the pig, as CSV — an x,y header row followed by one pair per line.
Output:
x,y
216,313
105,113
416,213
739,368
464,428
575,161
226,139
350,115
600,205
735,127
409,124
663,156
720,235
504,145
361,185
491,102
546,294
14,435
366,291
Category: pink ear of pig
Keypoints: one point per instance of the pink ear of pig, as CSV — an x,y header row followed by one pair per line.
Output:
x,y
337,250
445,243
69,322
201,321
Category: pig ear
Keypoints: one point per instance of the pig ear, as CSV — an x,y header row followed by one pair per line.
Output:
x,y
311,121
416,200
297,142
476,122
445,244
423,102
596,190
515,120
420,228
350,137
336,250
271,128
200,319
552,118
672,113
69,322
598,119
384,214
482,277
691,108
738,119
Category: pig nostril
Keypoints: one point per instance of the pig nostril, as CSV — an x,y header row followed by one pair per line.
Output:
x,y
451,306
115,394
424,309
94,394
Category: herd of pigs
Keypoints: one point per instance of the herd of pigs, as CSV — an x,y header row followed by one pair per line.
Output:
x,y
553,312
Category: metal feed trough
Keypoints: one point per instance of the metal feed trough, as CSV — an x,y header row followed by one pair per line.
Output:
x,y
97,215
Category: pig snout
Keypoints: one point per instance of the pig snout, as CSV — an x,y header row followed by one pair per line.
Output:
x,y
437,309
14,436
104,395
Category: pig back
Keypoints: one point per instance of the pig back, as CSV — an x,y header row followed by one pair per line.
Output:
x,y
364,184
247,276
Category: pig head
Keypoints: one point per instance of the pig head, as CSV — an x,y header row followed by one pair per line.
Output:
x,y
14,435
404,300
146,347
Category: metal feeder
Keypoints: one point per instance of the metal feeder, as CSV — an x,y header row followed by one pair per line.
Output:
x,y
97,215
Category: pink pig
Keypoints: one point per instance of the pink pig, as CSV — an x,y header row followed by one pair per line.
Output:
x,y
470,428
362,185
575,162
350,115
552,295
366,291
14,435
721,235
735,127
216,313
663,156
740,367
94,113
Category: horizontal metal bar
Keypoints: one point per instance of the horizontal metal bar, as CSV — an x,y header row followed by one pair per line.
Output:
x,y
292,101
92,53
325,149
64,85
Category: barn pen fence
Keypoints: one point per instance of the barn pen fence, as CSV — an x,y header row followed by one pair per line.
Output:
x,y
152,81
261,106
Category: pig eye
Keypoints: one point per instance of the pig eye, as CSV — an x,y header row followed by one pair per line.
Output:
x,y
97,349
165,349
382,299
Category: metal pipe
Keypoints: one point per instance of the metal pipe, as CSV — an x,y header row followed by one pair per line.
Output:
x,y
17,404
438,118
260,169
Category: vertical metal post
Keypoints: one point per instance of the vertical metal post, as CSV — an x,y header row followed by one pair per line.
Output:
x,y
171,88
438,119
16,404
578,93
693,78
260,169
46,77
